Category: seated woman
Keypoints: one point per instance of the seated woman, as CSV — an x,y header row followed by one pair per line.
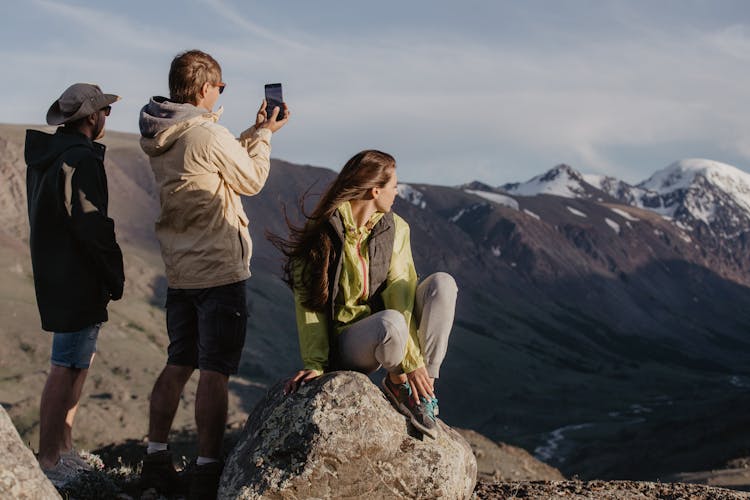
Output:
x,y
355,289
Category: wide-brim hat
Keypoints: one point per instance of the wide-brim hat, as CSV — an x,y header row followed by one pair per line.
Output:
x,y
78,100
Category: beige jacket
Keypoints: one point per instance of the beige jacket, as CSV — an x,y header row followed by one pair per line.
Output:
x,y
201,171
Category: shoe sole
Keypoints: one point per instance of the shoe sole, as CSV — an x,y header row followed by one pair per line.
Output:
x,y
61,480
404,410
80,467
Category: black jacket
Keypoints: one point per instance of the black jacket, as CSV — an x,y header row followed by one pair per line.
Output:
x,y
74,254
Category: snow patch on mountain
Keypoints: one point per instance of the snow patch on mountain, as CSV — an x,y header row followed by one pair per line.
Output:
x,y
614,225
618,189
531,214
575,212
560,181
458,215
465,211
498,198
624,214
411,195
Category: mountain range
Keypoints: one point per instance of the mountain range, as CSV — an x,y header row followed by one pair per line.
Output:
x,y
600,325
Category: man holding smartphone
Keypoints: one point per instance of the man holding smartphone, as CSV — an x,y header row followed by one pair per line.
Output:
x,y
201,171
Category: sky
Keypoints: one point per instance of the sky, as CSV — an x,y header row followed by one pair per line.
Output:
x,y
495,91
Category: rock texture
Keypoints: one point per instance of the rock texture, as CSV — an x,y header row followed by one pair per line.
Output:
x,y
503,462
20,475
338,437
603,490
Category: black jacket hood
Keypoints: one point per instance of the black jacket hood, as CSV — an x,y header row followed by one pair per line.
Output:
x,y
42,149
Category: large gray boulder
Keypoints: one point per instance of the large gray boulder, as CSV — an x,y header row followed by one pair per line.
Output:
x,y
339,437
20,475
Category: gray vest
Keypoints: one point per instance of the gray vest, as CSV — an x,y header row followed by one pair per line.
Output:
x,y
380,250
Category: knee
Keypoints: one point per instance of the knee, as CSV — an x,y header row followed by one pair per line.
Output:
x,y
442,284
395,326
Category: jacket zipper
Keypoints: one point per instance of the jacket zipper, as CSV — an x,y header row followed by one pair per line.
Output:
x,y
364,267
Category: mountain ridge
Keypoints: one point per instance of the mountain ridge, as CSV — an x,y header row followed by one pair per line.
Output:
x,y
572,311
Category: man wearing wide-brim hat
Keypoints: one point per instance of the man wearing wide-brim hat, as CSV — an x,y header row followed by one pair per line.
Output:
x,y
76,260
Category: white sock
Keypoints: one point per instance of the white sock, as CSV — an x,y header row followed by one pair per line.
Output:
x,y
205,460
153,447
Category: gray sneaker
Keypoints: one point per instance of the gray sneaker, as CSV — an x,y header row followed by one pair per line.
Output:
x,y
75,461
61,474
420,415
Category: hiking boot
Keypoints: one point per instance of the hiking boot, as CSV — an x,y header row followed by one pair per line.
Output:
x,y
158,472
61,474
204,481
420,415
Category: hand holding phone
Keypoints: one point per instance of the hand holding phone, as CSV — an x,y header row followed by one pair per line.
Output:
x,y
274,99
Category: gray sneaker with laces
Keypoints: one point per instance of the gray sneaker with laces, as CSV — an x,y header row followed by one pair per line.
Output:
x,y
75,461
420,415
61,474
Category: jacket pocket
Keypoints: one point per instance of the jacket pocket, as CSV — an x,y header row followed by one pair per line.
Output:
x,y
242,245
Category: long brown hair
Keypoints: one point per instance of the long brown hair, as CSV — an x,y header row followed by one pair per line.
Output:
x,y
311,243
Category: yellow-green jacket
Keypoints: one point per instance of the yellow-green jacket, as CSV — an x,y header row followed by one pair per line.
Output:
x,y
354,292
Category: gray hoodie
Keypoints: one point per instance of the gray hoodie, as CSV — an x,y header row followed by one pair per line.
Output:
x,y
160,113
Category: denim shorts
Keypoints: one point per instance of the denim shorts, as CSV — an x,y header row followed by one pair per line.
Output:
x,y
206,327
74,349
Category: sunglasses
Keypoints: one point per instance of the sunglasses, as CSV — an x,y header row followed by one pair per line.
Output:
x,y
107,110
221,86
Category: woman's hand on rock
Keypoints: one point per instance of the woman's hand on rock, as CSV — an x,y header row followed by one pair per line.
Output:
x,y
298,380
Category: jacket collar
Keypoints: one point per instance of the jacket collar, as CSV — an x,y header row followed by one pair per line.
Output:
x,y
342,219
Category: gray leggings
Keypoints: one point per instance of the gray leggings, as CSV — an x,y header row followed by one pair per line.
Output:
x,y
380,339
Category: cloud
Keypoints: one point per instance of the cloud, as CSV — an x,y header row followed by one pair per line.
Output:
x,y
235,17
109,29
572,104
503,105
733,40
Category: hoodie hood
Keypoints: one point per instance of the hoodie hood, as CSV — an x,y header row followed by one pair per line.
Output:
x,y
41,149
162,122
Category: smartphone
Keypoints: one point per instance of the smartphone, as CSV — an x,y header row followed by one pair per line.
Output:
x,y
273,99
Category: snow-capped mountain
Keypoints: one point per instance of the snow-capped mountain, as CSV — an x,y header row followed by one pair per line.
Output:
x,y
620,190
694,193
411,195
562,180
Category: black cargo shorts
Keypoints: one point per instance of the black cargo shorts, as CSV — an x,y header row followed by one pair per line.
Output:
x,y
206,327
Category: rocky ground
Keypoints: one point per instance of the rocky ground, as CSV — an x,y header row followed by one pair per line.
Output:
x,y
502,462
504,473
601,490
120,482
